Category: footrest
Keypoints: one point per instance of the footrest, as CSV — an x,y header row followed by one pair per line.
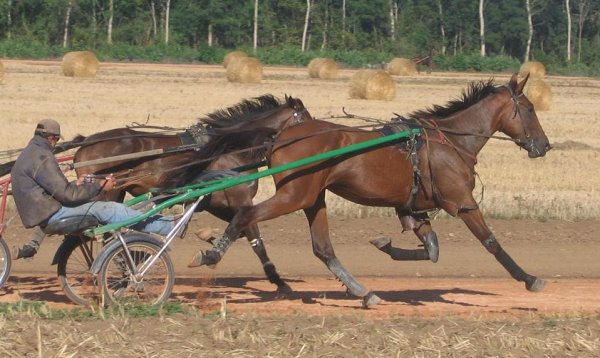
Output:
x,y
71,225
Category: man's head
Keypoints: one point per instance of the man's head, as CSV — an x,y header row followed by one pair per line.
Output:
x,y
49,128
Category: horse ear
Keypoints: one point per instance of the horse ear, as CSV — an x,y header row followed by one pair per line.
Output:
x,y
512,84
521,85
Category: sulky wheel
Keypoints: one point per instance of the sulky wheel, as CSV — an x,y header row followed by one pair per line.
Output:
x,y
74,260
5,261
121,277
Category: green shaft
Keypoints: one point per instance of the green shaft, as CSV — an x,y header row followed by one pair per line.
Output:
x,y
196,190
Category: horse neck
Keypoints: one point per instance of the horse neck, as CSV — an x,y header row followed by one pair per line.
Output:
x,y
481,119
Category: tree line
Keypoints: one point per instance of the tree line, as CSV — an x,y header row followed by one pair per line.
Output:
x,y
553,31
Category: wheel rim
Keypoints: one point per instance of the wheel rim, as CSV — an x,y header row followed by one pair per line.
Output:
x,y
123,286
79,284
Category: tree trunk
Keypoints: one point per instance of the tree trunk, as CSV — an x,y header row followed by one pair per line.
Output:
x,y
153,10
306,20
443,32
255,37
111,11
583,12
568,31
392,20
481,28
167,11
325,26
67,19
8,19
210,35
344,24
94,20
530,34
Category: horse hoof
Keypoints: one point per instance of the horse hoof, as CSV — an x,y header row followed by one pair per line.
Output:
x,y
536,286
204,259
381,243
432,247
370,299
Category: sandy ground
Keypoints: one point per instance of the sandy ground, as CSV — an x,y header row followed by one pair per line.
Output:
x,y
465,281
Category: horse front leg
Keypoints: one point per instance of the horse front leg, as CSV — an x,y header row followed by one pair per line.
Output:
x,y
475,222
323,249
255,240
245,216
224,205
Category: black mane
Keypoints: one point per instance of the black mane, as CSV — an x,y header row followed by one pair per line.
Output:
x,y
473,94
242,111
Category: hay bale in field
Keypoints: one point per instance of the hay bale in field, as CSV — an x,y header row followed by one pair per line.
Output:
x,y
80,64
402,67
233,55
372,84
245,70
535,69
324,68
539,93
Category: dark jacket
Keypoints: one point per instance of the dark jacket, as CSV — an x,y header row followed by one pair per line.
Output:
x,y
39,187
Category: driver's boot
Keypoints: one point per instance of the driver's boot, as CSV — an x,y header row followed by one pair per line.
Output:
x,y
25,252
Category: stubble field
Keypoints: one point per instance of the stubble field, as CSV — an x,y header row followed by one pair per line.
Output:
x,y
558,191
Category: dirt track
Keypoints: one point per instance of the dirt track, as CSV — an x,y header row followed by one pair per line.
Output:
x,y
466,280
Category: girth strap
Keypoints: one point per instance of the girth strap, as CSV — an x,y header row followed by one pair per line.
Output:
x,y
411,145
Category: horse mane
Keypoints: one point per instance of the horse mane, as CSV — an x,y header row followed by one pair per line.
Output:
x,y
471,95
241,112
253,144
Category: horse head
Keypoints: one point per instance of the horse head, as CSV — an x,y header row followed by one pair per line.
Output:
x,y
521,123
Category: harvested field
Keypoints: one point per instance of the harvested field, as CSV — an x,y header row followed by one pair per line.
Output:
x,y
465,305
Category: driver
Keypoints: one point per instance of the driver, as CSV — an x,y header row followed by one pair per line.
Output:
x,y
43,194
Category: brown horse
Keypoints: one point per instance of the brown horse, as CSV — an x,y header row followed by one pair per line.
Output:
x,y
138,176
442,177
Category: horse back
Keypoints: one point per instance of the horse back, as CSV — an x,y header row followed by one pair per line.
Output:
x,y
379,176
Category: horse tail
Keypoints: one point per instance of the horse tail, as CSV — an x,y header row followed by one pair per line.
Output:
x,y
5,168
74,143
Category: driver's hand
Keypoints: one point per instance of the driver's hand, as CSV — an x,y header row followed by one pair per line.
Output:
x,y
108,183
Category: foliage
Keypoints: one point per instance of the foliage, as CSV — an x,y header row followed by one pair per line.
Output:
x,y
365,31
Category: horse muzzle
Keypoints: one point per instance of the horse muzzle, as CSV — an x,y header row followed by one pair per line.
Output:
x,y
536,148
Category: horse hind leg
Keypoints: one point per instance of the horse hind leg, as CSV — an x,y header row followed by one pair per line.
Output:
x,y
323,249
421,226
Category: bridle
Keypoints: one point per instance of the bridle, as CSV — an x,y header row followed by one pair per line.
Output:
x,y
528,142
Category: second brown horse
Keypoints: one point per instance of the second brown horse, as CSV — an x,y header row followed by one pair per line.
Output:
x,y
384,176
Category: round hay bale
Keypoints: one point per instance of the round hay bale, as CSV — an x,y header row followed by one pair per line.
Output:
x,y
245,70
539,93
535,69
313,67
80,64
233,56
324,68
1,70
372,84
402,67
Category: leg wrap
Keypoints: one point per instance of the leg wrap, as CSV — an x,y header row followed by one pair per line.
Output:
x,y
340,272
221,245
